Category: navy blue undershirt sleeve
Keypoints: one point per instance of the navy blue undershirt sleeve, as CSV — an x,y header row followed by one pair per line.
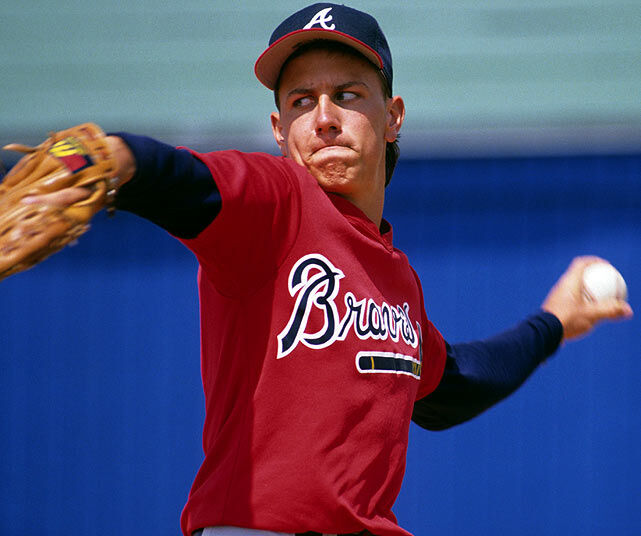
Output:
x,y
171,187
479,374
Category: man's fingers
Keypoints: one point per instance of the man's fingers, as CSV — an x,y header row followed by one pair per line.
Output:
x,y
577,315
609,310
586,260
63,198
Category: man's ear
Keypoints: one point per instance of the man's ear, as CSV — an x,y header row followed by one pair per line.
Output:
x,y
277,130
395,118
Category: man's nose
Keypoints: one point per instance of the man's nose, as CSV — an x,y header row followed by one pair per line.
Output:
x,y
327,116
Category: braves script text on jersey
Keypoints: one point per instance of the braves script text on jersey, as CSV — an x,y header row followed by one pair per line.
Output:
x,y
315,345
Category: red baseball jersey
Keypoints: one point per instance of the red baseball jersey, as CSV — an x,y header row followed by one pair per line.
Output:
x,y
315,345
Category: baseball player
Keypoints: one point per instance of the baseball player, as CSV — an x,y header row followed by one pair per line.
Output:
x,y
316,347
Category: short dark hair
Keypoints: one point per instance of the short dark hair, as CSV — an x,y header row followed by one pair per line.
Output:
x,y
392,150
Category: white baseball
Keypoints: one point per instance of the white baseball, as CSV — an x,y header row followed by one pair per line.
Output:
x,y
602,281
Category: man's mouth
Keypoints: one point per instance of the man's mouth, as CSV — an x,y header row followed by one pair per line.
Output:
x,y
330,147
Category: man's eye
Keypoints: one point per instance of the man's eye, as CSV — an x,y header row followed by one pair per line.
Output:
x,y
343,96
301,102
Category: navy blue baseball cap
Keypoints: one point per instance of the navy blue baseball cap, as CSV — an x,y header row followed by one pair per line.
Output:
x,y
324,21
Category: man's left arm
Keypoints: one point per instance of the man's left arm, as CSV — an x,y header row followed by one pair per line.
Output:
x,y
479,374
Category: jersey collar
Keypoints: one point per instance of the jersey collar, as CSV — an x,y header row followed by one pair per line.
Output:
x,y
362,223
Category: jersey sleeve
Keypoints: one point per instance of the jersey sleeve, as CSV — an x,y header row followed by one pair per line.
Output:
x,y
434,355
238,212
432,351
257,224
481,373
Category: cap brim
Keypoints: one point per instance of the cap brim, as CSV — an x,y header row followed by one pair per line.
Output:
x,y
270,62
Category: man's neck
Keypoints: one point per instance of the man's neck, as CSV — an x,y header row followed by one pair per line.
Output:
x,y
371,206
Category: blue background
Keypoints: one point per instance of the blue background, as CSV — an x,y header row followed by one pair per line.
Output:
x,y
100,390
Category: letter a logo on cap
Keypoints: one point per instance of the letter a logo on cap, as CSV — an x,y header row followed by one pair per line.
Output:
x,y
322,18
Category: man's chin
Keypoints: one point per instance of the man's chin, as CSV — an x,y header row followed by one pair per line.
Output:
x,y
331,174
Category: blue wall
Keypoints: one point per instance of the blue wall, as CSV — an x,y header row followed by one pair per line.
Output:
x,y
100,389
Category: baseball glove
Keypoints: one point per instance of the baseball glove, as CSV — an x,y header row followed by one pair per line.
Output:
x,y
76,157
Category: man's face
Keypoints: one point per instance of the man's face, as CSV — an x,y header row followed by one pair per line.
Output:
x,y
335,120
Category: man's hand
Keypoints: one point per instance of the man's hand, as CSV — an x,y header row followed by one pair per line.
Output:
x,y
125,169
578,316
49,197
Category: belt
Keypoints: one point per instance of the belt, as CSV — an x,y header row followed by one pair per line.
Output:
x,y
312,533
199,532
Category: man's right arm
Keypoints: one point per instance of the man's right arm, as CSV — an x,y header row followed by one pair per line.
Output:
x,y
480,374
